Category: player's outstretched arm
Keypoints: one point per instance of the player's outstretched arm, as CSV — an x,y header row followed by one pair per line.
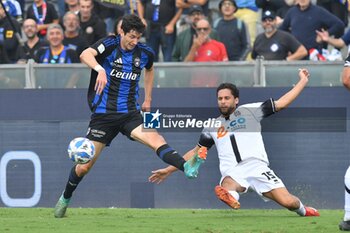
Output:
x,y
160,175
291,95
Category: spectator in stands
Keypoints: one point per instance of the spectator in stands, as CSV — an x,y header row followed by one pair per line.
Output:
x,y
280,7
8,39
56,53
22,3
275,44
3,55
160,17
187,4
303,19
131,7
205,49
248,13
73,6
232,32
72,38
337,8
281,12
44,13
33,43
184,40
108,14
93,28
270,5
14,9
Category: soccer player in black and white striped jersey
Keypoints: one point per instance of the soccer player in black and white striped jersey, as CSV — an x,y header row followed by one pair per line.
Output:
x,y
345,224
244,164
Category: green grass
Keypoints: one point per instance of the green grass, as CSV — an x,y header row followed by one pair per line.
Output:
x,y
98,220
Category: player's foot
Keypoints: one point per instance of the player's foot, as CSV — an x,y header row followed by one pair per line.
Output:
x,y
61,207
191,166
344,225
226,197
311,212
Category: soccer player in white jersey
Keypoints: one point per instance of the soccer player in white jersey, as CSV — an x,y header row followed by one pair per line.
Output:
x,y
345,224
242,156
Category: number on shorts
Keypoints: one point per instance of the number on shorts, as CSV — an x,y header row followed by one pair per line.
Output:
x,y
270,176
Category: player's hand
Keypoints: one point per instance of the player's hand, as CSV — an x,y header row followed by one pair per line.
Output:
x,y
101,81
159,175
304,74
146,106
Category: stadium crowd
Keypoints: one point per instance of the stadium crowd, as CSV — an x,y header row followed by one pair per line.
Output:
x,y
58,31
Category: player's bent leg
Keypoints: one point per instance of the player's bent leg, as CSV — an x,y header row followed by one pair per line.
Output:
x,y
154,140
224,196
227,192
283,197
82,169
191,166
148,137
291,202
76,175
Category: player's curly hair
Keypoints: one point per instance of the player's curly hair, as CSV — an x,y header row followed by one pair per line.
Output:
x,y
132,22
230,86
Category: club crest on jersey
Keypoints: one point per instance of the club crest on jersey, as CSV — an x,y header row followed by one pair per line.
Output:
x,y
137,62
237,113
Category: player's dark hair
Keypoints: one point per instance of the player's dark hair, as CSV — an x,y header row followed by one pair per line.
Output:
x,y
234,90
132,22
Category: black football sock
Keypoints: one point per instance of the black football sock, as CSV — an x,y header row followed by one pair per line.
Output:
x,y
72,183
170,156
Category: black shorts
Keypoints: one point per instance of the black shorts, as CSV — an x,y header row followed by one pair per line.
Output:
x,y
104,127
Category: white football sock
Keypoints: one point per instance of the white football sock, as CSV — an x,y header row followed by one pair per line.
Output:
x,y
347,195
301,210
234,194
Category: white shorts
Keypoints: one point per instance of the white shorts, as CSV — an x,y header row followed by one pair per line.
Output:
x,y
255,175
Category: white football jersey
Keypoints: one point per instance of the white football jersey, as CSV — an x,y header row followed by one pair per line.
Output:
x,y
239,137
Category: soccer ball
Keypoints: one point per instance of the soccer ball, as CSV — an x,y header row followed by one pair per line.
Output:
x,y
81,150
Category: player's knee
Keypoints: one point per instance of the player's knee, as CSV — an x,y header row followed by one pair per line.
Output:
x,y
83,169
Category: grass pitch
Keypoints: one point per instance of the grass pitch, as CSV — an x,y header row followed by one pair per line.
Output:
x,y
98,220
